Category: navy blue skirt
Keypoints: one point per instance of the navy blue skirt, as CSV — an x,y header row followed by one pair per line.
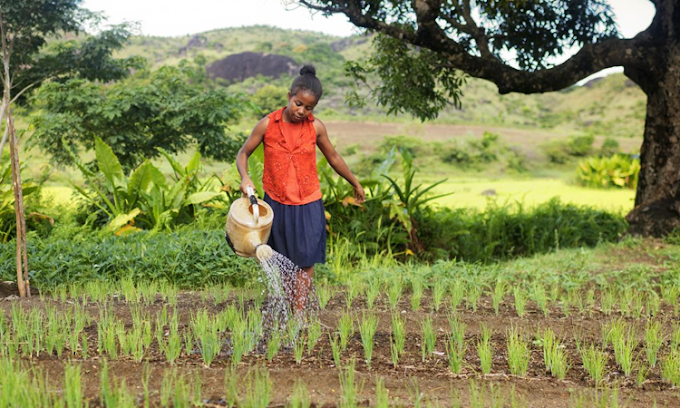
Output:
x,y
299,232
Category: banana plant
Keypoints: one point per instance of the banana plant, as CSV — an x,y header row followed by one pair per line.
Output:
x,y
146,195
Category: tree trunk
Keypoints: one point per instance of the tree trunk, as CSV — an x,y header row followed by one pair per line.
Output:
x,y
657,203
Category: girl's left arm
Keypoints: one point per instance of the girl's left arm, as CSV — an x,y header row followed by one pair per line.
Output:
x,y
336,161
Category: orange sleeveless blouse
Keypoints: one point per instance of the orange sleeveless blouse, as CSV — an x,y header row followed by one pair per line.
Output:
x,y
290,175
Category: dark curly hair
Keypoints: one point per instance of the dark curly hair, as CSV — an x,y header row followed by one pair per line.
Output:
x,y
307,82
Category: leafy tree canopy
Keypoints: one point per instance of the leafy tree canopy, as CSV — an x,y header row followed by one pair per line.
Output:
x,y
30,23
423,45
135,116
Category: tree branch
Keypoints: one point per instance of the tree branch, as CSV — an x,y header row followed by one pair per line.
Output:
x,y
590,59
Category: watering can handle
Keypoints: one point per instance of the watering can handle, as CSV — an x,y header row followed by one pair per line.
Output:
x,y
253,203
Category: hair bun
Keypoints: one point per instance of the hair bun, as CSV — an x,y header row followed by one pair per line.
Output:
x,y
308,70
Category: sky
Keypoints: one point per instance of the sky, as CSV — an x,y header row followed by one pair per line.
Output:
x,y
179,17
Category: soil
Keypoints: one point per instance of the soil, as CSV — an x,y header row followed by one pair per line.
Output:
x,y
432,376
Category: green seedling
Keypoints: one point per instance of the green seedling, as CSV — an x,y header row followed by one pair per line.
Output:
x,y
607,302
231,387
417,396
498,294
208,338
394,352
417,294
73,389
354,289
476,395
624,344
259,389
518,352
323,293
170,345
429,337
539,296
300,396
372,292
675,337
484,350
438,293
670,368
520,301
560,362
335,348
473,295
457,294
382,397
594,361
349,387
394,292
653,304
345,329
398,333
241,341
548,343
670,294
299,348
313,335
641,375
274,344
367,330
653,342
455,352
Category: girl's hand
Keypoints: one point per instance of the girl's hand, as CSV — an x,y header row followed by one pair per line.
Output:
x,y
245,183
359,195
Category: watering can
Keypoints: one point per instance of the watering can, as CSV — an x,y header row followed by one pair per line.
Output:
x,y
249,223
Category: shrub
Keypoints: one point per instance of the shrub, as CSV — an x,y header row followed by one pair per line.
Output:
x,y
561,151
506,231
188,258
269,98
617,171
609,147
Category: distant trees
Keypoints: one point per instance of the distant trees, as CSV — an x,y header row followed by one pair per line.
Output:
x,y
150,109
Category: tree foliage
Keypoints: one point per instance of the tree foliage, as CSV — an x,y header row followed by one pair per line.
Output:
x,y
422,46
136,116
31,23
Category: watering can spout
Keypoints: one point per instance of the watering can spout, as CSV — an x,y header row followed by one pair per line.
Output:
x,y
248,226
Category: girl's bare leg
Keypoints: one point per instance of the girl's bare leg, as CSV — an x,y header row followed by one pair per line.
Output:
x,y
303,285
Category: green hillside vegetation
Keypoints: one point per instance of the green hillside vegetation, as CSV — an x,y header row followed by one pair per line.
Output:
x,y
610,106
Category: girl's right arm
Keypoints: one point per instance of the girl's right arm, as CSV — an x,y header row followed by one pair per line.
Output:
x,y
256,137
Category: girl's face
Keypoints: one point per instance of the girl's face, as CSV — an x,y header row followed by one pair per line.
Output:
x,y
300,106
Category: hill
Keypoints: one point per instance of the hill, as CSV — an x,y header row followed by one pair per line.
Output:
x,y
610,106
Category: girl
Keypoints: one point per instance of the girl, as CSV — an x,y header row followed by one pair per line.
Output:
x,y
290,181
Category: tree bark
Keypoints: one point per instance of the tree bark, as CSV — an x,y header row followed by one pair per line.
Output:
x,y
657,202
22,258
